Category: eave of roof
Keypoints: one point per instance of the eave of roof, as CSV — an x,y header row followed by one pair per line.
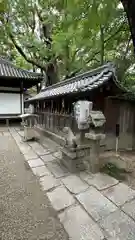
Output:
x,y
9,71
81,83
128,96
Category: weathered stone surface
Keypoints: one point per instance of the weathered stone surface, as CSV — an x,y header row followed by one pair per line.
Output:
x,y
17,138
38,148
14,134
101,181
24,148
12,129
74,184
96,204
110,238
57,169
41,151
60,198
119,194
6,134
34,144
48,158
85,175
21,133
41,171
35,163
49,148
73,165
119,226
129,208
79,225
57,154
17,128
30,155
49,182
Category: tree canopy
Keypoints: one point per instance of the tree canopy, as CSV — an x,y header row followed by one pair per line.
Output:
x,y
65,37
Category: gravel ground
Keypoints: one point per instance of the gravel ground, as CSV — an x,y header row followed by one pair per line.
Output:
x,y
25,211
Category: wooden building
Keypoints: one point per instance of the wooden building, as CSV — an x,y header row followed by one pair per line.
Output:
x,y
101,86
13,83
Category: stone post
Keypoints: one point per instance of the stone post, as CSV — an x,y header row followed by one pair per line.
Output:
x,y
73,158
94,137
82,151
93,162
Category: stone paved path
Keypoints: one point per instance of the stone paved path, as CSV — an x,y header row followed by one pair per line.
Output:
x,y
25,211
90,206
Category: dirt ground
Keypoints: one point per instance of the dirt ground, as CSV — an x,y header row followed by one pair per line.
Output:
x,y
25,211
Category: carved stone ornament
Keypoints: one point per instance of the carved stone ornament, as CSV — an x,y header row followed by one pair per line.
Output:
x,y
97,118
82,113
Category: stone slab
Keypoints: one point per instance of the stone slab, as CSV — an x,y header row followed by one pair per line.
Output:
x,y
57,169
39,149
48,147
11,129
57,154
34,144
119,194
24,148
49,182
60,198
17,128
41,171
18,138
35,163
101,181
21,133
79,225
85,175
6,134
74,184
96,204
48,158
119,226
30,155
129,208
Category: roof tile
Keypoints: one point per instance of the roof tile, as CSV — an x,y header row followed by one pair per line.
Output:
x,y
7,69
83,82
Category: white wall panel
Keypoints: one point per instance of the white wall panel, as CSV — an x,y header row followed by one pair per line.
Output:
x,y
10,103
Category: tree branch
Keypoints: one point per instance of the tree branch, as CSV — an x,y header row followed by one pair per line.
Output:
x,y
97,52
73,57
102,42
19,49
127,47
47,38
129,7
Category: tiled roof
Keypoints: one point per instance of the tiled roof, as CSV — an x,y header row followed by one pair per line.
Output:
x,y
80,83
7,69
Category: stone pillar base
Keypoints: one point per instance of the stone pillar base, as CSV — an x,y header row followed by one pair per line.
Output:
x,y
74,158
94,160
29,133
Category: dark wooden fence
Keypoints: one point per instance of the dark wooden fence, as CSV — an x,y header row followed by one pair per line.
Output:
x,y
55,122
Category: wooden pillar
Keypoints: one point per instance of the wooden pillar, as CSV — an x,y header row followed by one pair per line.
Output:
x,y
7,122
22,98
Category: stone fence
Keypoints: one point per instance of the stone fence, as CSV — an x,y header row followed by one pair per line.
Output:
x,y
80,147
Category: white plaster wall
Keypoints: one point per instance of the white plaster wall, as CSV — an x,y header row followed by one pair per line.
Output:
x,y
10,103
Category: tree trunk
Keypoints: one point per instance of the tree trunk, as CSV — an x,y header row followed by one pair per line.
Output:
x,y
51,74
129,7
102,45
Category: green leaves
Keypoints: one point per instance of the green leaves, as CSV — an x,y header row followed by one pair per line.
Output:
x,y
67,32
